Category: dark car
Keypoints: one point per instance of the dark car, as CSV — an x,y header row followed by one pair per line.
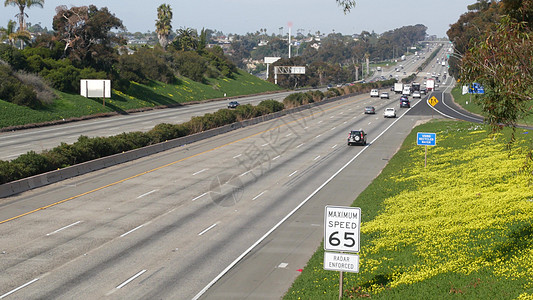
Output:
x,y
233,104
370,110
404,102
357,137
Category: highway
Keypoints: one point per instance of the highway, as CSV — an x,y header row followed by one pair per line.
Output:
x,y
234,216
172,222
18,142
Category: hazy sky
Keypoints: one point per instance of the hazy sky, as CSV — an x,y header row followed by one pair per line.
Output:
x,y
243,16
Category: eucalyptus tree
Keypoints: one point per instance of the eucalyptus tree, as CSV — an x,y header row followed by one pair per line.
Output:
x,y
162,24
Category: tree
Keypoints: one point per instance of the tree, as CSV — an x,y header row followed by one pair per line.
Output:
x,y
22,5
503,64
346,5
86,32
186,40
11,35
162,24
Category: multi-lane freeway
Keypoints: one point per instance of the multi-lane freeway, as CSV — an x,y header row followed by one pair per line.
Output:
x,y
231,217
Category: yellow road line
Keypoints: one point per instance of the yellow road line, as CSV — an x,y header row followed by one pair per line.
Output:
x,y
164,166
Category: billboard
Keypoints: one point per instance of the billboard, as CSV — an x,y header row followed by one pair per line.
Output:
x,y
95,88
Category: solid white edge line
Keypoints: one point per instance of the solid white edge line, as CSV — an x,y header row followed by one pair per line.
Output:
x,y
290,214
207,229
20,287
456,111
130,280
63,228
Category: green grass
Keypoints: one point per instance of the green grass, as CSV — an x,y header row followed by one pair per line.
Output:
x,y
138,96
468,102
460,228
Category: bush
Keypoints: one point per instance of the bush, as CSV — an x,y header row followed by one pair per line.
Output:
x,y
271,105
164,132
43,92
12,90
12,56
191,65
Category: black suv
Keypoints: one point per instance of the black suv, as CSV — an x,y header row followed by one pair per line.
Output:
x,y
404,102
357,137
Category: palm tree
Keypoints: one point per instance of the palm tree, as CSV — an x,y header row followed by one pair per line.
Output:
x,y
187,39
22,5
10,34
162,24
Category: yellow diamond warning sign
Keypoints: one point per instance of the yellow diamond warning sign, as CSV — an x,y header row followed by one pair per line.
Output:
x,y
433,101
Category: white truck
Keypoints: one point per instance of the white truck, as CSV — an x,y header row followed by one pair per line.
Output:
x,y
398,88
430,85
406,90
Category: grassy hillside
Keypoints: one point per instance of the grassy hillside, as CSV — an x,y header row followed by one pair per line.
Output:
x,y
460,228
138,96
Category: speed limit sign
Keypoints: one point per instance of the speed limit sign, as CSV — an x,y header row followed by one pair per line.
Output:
x,y
342,228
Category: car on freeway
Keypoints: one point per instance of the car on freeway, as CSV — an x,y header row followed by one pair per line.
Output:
x,y
404,102
357,137
374,93
233,104
416,94
370,110
389,112
423,91
384,95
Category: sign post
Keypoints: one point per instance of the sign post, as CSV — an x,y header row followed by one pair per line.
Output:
x,y
426,139
342,233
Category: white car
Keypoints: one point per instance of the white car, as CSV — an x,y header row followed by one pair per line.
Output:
x,y
390,112
416,94
374,93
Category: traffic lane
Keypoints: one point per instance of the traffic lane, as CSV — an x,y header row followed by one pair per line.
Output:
x,y
39,139
287,250
448,109
74,208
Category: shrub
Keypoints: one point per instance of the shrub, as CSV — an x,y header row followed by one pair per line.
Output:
x,y
190,65
164,131
271,105
13,90
43,92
